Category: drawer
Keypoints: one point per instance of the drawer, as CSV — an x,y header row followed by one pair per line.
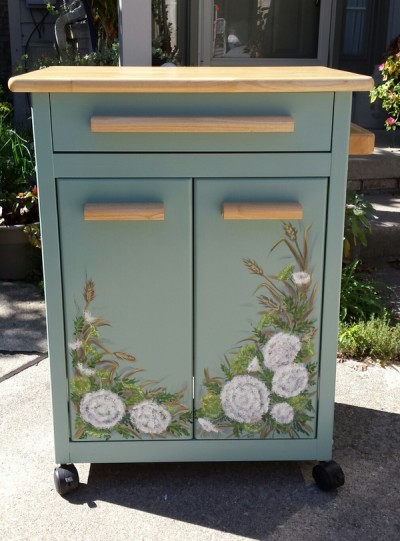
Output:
x,y
309,115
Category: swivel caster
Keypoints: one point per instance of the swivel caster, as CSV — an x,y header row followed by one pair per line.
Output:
x,y
328,475
66,478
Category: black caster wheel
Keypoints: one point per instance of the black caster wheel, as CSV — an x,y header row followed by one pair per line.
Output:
x,y
328,475
66,478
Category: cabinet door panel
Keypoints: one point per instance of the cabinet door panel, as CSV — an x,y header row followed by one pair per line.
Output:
x,y
127,289
258,287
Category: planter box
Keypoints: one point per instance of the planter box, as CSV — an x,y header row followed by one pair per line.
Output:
x,y
17,256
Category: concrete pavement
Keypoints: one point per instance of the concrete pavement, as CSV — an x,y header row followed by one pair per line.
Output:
x,y
206,501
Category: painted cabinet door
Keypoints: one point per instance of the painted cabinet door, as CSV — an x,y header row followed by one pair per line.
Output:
x,y
127,293
258,291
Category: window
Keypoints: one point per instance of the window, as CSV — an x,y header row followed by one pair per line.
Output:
x,y
264,31
354,27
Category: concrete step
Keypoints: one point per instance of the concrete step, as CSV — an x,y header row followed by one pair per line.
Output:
x,y
380,171
377,176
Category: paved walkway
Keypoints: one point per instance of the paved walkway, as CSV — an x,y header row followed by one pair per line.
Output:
x,y
207,501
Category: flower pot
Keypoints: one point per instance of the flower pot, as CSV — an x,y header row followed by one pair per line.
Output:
x,y
17,256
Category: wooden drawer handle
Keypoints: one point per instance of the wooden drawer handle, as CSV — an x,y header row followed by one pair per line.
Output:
x,y
262,211
192,124
117,212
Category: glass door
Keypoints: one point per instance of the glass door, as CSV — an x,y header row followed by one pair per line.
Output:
x,y
265,32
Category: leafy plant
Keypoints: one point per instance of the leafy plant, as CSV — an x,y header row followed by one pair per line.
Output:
x,y
33,232
104,15
376,338
360,297
107,56
389,90
357,222
18,195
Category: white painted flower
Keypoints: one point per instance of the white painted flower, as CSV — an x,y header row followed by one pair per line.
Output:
x,y
254,365
102,409
245,399
88,317
150,417
283,413
290,380
85,371
280,350
77,344
207,425
301,278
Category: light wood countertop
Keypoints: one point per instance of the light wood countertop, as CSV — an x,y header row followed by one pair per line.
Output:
x,y
92,79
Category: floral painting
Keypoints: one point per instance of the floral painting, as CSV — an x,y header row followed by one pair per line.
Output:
x,y
107,393
267,385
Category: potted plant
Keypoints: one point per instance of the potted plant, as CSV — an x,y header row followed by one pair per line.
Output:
x,y
389,90
19,212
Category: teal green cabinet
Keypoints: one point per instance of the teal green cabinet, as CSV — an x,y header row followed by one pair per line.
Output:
x,y
192,235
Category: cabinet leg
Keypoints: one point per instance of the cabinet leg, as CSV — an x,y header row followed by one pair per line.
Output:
x,y
328,475
66,478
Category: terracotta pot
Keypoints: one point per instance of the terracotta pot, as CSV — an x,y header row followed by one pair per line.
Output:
x,y
17,256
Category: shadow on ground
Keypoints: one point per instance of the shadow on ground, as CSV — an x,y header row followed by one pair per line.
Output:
x,y
22,318
264,500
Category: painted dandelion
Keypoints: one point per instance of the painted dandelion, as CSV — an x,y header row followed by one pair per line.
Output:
x,y
102,409
281,349
301,278
245,399
207,425
85,371
282,413
290,380
75,345
149,417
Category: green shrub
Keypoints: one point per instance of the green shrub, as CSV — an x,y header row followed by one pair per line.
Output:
x,y
18,198
360,297
376,338
389,90
357,222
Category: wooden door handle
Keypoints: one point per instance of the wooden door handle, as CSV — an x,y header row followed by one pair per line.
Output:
x,y
192,124
117,212
262,211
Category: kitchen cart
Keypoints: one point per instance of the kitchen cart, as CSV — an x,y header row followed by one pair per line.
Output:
x,y
192,224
